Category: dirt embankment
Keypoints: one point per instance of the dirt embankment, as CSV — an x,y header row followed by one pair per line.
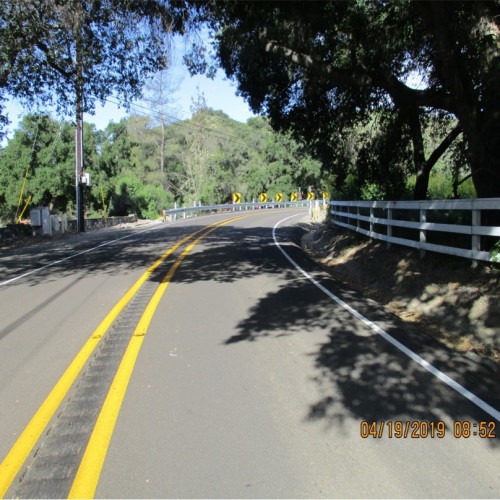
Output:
x,y
444,295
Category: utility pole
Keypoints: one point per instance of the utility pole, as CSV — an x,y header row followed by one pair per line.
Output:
x,y
80,220
79,85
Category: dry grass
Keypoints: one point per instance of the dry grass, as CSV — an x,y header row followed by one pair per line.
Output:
x,y
443,295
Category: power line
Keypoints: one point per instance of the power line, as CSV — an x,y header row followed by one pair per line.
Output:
x,y
177,121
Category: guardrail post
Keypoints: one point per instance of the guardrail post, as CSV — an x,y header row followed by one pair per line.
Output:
x,y
423,235
476,238
389,226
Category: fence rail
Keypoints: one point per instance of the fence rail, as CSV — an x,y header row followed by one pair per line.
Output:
x,y
451,227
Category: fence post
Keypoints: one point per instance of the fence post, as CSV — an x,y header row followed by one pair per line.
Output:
x,y
389,226
476,238
372,225
423,236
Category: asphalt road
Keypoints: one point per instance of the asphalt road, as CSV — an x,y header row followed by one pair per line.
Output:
x,y
247,380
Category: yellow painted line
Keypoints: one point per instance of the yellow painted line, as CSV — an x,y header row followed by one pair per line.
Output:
x,y
21,449
89,472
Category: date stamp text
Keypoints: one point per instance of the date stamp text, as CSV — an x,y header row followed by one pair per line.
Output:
x,y
415,429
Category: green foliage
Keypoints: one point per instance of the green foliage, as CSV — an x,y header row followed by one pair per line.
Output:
x,y
132,196
51,51
42,151
205,159
371,192
384,158
495,253
322,69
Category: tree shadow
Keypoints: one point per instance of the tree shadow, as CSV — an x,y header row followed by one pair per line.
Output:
x,y
358,374
90,253
126,251
429,287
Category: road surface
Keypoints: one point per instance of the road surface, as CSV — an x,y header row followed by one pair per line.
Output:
x,y
212,359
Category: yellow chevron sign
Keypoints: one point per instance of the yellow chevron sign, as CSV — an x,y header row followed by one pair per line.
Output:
x,y
236,197
279,197
310,196
294,197
263,197
326,195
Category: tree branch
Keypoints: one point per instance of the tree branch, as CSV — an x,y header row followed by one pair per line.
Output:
x,y
52,63
339,76
401,94
445,144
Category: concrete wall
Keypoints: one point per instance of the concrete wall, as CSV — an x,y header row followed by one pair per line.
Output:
x,y
14,231
93,224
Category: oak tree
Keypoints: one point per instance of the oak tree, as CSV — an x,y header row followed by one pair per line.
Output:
x,y
315,67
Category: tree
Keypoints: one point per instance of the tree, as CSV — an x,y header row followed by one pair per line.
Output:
x,y
42,152
277,163
144,153
76,52
317,66
466,65
158,92
83,50
116,144
208,157
196,154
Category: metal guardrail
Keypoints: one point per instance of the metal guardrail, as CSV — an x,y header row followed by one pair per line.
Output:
x,y
414,220
173,214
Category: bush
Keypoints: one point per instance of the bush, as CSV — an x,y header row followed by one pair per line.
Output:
x,y
495,253
132,196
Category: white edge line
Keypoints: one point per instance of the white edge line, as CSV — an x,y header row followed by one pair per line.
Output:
x,y
34,271
405,350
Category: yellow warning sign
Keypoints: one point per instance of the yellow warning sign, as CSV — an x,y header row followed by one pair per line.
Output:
x,y
294,197
310,196
236,197
263,197
279,197
326,195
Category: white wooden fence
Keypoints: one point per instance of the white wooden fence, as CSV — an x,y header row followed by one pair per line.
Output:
x,y
446,226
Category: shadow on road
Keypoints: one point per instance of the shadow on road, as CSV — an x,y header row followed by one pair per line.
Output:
x,y
358,374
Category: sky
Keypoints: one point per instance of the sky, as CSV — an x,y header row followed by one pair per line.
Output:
x,y
219,94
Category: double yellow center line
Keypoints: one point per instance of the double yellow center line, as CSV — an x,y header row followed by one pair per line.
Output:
x,y
90,468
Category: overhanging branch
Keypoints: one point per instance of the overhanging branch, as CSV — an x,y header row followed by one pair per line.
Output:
x,y
52,63
445,144
338,76
401,94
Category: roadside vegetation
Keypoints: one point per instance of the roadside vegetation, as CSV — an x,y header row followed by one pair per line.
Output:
x,y
136,167
443,296
372,100
142,166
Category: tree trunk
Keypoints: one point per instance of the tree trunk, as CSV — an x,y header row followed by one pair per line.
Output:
x,y
478,114
484,147
422,169
162,148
